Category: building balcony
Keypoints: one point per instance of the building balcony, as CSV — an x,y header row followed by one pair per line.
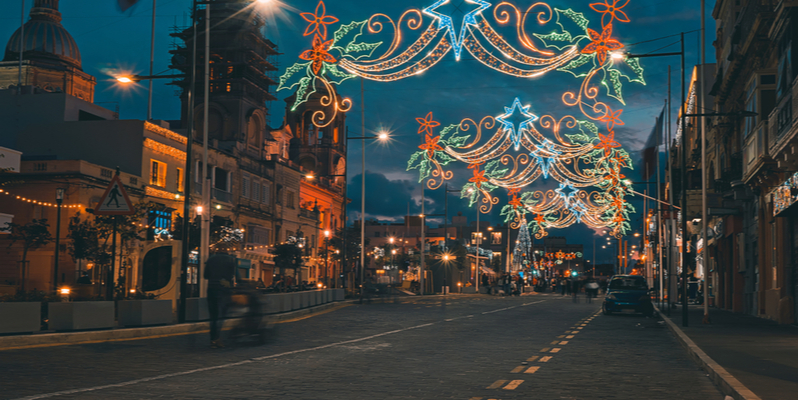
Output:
x,y
783,124
221,195
755,153
308,214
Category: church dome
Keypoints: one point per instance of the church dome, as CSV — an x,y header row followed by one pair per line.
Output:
x,y
44,36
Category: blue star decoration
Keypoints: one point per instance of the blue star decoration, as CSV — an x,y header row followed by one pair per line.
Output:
x,y
545,155
508,126
446,22
567,192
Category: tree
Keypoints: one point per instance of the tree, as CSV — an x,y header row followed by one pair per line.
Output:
x,y
33,235
91,236
288,256
351,247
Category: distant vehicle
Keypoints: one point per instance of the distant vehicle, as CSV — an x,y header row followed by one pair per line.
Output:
x,y
627,292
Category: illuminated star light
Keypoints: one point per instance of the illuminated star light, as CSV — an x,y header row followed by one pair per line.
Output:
x,y
545,155
508,126
446,21
567,196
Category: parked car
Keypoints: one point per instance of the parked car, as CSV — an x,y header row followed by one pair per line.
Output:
x,y
627,292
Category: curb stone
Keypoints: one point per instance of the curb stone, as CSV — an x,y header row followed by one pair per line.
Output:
x,y
59,338
729,385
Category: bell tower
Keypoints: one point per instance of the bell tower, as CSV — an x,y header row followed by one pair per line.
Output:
x,y
240,66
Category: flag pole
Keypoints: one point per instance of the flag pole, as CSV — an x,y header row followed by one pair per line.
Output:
x,y
152,54
21,45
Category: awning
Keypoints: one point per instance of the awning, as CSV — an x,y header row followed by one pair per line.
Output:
x,y
487,271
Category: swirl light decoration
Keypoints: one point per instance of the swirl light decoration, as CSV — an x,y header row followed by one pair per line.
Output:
x,y
586,163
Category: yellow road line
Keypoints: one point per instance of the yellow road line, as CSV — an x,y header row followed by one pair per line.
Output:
x,y
575,332
544,350
560,336
563,342
531,370
555,350
513,385
554,342
517,369
570,336
532,358
497,384
546,359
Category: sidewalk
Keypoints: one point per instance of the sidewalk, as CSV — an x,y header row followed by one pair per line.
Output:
x,y
758,353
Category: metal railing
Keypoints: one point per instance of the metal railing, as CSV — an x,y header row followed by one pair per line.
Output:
x,y
781,119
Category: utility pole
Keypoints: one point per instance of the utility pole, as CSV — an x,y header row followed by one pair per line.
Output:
x,y
684,210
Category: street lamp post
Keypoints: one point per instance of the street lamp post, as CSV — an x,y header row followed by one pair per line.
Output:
x,y
59,200
383,136
327,237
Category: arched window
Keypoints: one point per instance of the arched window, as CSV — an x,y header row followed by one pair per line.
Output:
x,y
254,130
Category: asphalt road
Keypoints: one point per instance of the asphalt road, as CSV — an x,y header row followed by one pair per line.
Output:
x,y
460,347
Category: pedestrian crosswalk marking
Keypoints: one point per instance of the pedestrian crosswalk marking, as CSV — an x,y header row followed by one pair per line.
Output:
x,y
570,336
497,384
580,327
517,369
531,370
546,359
574,332
513,385
568,332
555,350
554,342
564,342
560,336
544,350
532,358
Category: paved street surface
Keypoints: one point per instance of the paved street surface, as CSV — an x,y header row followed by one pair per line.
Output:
x,y
460,347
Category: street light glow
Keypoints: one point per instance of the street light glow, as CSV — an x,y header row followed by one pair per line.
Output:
x,y
327,233
124,79
309,176
618,55
383,136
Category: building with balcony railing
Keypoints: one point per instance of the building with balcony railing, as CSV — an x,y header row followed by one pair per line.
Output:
x,y
753,251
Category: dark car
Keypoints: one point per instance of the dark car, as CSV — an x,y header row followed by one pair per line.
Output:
x,y
627,292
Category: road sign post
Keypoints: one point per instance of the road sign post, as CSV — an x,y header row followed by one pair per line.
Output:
x,y
115,202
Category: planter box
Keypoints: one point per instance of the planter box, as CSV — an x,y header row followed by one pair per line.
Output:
x,y
70,316
285,301
274,303
197,309
338,294
20,317
295,296
144,312
305,299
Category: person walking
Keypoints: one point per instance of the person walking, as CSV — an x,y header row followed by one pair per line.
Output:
x,y
219,272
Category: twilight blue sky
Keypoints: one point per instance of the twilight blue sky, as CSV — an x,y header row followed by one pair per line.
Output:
x,y
110,40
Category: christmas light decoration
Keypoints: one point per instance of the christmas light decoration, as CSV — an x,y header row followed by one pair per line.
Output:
x,y
585,162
